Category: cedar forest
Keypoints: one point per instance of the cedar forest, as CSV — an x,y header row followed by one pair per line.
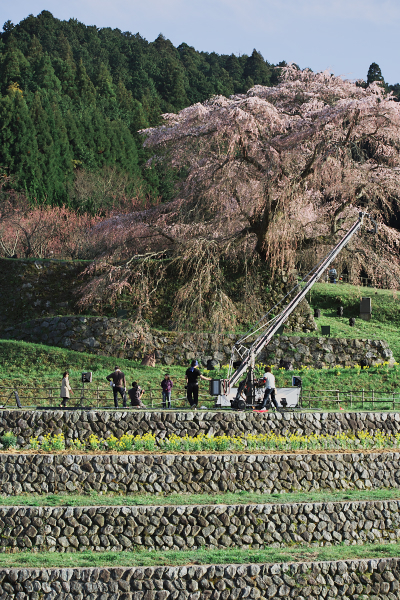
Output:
x,y
73,98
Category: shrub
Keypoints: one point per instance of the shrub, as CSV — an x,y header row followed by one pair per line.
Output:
x,y
9,440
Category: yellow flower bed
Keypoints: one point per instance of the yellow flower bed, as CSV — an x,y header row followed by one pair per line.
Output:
x,y
267,441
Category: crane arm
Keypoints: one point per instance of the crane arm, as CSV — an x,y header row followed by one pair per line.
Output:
x,y
248,355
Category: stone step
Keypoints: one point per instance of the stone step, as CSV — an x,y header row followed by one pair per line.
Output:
x,y
118,528
197,473
32,423
378,579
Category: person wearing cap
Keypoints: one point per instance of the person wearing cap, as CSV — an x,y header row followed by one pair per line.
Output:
x,y
192,384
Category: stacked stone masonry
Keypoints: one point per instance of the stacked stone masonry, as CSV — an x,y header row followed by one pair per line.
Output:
x,y
166,474
118,528
377,579
81,424
115,337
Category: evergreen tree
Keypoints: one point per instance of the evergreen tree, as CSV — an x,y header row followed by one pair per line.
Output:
x,y
18,145
374,73
132,110
104,84
13,65
86,89
257,69
169,75
66,68
45,77
8,27
235,70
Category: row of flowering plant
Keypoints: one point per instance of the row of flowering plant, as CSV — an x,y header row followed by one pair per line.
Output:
x,y
360,440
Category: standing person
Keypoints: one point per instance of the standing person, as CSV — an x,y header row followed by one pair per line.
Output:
x,y
167,386
119,385
135,394
65,389
269,389
192,385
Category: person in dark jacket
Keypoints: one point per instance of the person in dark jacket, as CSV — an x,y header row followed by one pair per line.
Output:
x,y
135,394
167,386
192,384
119,385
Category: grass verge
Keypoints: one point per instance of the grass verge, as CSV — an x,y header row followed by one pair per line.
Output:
x,y
196,557
94,499
36,365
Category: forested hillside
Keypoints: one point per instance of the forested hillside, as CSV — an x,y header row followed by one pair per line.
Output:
x,y
74,96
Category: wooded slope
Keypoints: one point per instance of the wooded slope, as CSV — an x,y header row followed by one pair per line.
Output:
x,y
74,96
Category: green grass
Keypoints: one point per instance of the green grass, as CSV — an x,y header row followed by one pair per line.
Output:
x,y
385,322
196,557
24,363
38,365
94,499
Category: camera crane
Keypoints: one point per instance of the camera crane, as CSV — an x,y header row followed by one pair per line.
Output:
x,y
245,357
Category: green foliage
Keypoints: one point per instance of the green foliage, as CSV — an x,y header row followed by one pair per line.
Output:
x,y
74,97
9,440
374,73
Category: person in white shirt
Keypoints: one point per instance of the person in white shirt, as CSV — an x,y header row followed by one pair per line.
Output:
x,y
269,388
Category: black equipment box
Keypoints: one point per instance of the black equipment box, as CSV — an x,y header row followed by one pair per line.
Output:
x,y
215,387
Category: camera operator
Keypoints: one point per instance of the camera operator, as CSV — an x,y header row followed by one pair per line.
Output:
x,y
269,394
192,384
135,394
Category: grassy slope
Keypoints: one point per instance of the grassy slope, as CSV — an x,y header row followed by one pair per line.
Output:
x,y
385,322
23,364
38,365
140,557
94,499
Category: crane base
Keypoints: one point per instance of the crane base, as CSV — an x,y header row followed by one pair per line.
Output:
x,y
292,395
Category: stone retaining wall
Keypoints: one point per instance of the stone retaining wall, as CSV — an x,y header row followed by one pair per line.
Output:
x,y
120,338
120,528
169,473
81,424
375,579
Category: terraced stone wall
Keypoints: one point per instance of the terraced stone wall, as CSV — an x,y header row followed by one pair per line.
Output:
x,y
378,579
81,424
165,474
118,528
116,337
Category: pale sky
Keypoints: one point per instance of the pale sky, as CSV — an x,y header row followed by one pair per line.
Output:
x,y
345,36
